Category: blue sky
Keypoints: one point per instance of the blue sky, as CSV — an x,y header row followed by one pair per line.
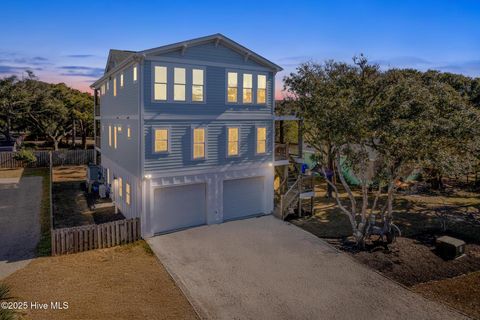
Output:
x,y
69,41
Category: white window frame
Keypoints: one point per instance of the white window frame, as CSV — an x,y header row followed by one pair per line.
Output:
x,y
128,189
168,140
228,140
135,73
256,139
227,86
205,143
158,82
257,88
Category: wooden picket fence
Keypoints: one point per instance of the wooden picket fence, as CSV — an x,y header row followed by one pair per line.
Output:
x,y
95,236
59,158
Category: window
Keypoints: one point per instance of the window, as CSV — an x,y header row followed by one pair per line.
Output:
x,y
247,88
115,86
232,149
127,193
135,73
120,187
121,79
115,137
199,143
197,85
110,136
179,80
160,90
261,140
108,85
129,132
102,89
232,90
261,88
119,129
161,140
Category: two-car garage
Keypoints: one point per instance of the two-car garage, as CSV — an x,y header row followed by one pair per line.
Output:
x,y
183,206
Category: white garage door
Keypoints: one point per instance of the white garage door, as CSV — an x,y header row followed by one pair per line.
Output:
x,y
243,197
179,207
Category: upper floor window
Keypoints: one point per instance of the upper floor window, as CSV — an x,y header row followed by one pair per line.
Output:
x,y
232,90
179,84
127,193
102,89
129,132
115,137
161,140
160,89
261,89
110,136
233,142
135,69
198,143
121,79
247,88
115,86
197,85
261,140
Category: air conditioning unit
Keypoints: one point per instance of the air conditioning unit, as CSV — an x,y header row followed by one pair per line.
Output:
x,y
450,248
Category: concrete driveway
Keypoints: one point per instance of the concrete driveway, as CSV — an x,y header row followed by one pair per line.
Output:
x,y
19,223
264,268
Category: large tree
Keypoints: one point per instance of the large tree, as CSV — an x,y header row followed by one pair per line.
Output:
x,y
382,125
11,96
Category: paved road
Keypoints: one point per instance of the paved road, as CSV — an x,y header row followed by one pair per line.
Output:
x,y
19,223
264,268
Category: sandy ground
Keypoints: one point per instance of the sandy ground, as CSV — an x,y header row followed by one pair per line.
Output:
x,y
69,173
19,223
117,283
8,176
264,268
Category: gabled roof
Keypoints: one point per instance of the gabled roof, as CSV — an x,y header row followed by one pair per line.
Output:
x,y
115,57
217,38
119,58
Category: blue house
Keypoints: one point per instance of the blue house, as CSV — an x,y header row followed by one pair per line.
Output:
x,y
185,133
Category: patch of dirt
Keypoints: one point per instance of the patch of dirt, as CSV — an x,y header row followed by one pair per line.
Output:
x,y
10,173
462,292
125,282
103,215
411,261
69,173
70,206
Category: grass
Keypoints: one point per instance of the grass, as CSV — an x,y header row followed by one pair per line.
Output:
x,y
123,282
44,246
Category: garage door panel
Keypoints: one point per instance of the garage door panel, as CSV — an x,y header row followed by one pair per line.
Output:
x,y
179,207
243,197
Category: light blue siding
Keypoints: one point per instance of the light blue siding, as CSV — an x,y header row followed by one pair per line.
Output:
x,y
180,155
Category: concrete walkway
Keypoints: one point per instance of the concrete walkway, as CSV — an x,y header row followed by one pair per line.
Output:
x,y
19,223
264,268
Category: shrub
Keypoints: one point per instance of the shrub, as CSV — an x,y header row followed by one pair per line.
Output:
x,y
5,314
25,155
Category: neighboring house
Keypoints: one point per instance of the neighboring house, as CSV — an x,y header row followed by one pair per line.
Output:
x,y
185,133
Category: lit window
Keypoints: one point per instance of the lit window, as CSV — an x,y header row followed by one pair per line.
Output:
x,y
160,91
119,128
120,187
127,193
197,85
110,136
129,132
135,73
115,86
232,87
247,88
179,84
121,79
261,89
198,143
161,140
115,137
232,142
261,140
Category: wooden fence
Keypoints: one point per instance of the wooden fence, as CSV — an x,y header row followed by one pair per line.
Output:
x,y
95,236
59,158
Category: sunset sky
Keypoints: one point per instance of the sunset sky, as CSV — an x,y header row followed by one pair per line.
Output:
x,y
69,42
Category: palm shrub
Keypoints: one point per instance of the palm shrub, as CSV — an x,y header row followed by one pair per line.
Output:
x,y
25,155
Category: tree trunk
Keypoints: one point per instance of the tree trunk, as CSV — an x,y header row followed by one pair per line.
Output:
x,y
55,144
74,134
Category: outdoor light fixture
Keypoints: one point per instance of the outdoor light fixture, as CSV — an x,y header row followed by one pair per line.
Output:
x,y
270,164
148,176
